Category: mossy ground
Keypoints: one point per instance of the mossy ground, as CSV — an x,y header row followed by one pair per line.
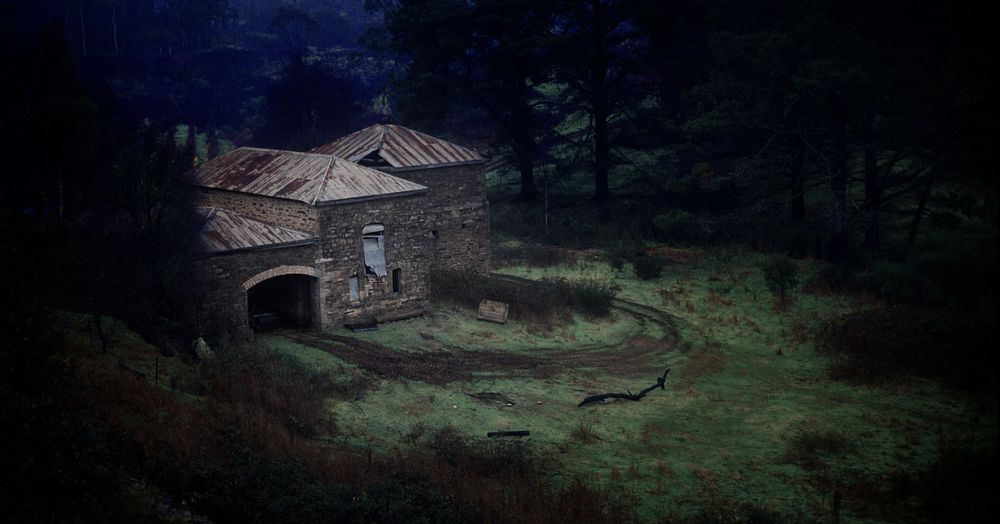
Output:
x,y
745,387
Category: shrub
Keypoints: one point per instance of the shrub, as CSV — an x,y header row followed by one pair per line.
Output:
x,y
276,385
677,226
884,343
528,300
495,458
956,487
648,267
618,256
590,296
536,255
780,275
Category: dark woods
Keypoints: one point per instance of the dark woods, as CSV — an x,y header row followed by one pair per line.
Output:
x,y
858,133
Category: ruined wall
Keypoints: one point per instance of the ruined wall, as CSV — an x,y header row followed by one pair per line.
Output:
x,y
278,211
459,215
408,248
224,300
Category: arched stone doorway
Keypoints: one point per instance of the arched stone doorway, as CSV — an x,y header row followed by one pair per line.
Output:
x,y
286,296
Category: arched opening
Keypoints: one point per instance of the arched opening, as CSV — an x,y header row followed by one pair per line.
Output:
x,y
282,301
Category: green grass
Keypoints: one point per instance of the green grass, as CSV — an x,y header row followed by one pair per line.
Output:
x,y
728,430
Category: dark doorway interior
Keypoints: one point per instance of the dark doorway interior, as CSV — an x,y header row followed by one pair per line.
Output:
x,y
284,301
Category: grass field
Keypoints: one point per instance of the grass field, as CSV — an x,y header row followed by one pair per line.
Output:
x,y
748,419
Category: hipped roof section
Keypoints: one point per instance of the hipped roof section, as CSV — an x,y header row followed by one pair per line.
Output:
x,y
306,177
400,147
224,230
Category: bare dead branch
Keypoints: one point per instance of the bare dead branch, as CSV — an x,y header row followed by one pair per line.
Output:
x,y
628,395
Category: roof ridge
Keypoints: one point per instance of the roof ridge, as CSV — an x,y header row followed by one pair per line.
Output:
x,y
381,137
208,218
326,176
275,150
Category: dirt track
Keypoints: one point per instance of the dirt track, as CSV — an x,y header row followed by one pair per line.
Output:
x,y
641,355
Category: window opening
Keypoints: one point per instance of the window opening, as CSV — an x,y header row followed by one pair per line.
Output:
x,y
397,280
373,238
353,284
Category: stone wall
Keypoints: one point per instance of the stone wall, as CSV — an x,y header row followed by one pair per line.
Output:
x,y
341,256
459,215
228,275
278,211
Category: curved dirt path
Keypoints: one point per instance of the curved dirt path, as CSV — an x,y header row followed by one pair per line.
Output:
x,y
637,357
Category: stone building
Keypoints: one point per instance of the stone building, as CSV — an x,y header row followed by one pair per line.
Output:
x,y
317,239
458,212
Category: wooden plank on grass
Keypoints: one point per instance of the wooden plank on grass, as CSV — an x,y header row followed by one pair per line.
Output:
x,y
493,311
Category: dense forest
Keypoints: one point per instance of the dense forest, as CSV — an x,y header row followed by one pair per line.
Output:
x,y
858,135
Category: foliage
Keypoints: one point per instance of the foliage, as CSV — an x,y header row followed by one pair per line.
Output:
x,y
675,224
956,485
950,278
591,297
886,343
541,301
308,106
272,383
648,267
781,274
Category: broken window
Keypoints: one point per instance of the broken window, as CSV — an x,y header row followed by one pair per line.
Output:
x,y
397,280
373,236
353,285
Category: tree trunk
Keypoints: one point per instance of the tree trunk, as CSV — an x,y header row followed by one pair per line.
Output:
x,y
526,166
798,197
601,154
524,143
873,193
114,28
600,106
837,171
925,193
83,32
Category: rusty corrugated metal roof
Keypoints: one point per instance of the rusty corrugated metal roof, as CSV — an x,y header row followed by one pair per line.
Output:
x,y
224,230
306,177
400,147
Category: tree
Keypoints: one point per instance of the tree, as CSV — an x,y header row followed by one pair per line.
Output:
x,y
309,105
820,98
480,61
597,46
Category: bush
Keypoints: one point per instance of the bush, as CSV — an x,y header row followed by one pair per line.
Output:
x,y
889,342
618,256
956,487
495,458
780,276
648,267
276,385
675,225
528,300
591,297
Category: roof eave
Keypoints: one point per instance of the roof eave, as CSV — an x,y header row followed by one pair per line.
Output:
x,y
238,192
433,166
384,196
265,247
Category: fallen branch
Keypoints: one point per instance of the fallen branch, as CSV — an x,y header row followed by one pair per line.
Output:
x,y
627,395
